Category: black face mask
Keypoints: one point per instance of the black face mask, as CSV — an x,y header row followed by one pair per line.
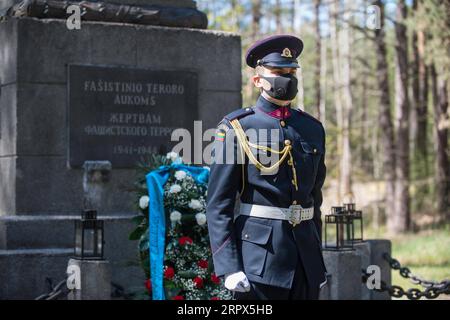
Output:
x,y
282,87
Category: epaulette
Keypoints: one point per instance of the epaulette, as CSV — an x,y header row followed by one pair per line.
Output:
x,y
239,113
308,115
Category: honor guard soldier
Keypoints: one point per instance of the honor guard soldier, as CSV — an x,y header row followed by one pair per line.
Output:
x,y
270,247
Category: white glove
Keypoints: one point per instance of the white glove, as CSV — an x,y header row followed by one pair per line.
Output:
x,y
237,282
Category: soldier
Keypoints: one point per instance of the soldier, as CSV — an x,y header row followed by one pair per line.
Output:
x,y
269,248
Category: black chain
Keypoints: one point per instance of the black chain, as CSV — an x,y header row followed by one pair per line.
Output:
x,y
432,291
406,273
60,291
56,292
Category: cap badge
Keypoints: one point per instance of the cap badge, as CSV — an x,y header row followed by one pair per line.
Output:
x,y
286,53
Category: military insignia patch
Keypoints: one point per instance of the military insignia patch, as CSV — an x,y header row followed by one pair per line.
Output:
x,y
220,132
286,53
220,135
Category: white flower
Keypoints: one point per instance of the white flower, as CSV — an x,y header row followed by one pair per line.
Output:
x,y
175,188
195,204
175,216
201,218
180,175
143,202
172,156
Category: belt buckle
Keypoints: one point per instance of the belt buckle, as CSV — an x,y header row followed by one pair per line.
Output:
x,y
295,214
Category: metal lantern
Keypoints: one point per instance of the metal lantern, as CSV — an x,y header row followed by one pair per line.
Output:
x,y
339,230
357,221
89,238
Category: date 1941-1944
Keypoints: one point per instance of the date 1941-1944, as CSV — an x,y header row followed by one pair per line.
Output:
x,y
226,309
130,150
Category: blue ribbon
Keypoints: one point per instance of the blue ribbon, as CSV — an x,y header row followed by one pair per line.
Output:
x,y
156,180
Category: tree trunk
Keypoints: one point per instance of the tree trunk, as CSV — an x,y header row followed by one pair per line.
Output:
x,y
254,34
386,130
422,106
441,117
301,90
345,41
323,80
364,131
337,87
318,57
364,148
415,85
277,12
256,18
400,221
234,15
420,95
292,16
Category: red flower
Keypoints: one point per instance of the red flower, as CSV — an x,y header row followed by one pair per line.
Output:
x,y
178,298
148,285
169,273
184,240
215,279
215,298
203,264
198,282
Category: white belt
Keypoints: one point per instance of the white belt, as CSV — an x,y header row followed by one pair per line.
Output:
x,y
294,214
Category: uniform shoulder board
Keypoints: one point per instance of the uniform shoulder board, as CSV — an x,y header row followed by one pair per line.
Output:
x,y
239,113
308,115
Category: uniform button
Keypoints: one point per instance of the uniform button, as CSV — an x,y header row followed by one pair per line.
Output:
x,y
283,124
287,142
246,236
315,150
290,162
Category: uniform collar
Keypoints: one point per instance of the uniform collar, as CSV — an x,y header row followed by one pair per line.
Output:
x,y
273,109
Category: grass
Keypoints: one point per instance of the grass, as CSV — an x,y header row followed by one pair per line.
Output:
x,y
426,254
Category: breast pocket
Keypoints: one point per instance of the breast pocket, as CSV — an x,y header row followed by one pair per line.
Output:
x,y
254,240
312,152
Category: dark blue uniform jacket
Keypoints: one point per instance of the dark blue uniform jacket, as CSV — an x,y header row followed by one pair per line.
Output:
x,y
268,250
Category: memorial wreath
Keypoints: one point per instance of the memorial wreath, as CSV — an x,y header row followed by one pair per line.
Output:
x,y
176,259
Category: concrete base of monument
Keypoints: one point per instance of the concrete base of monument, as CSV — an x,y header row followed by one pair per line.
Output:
x,y
363,249
26,261
24,271
377,248
344,270
94,280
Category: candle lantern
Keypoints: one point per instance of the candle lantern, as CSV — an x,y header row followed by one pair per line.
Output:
x,y
339,229
357,221
89,239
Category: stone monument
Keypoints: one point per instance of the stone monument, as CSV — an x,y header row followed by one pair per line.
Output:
x,y
110,91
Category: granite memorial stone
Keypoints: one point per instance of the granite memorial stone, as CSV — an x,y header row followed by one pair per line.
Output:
x,y
40,195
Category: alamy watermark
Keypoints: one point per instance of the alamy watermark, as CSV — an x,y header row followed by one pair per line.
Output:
x,y
374,279
264,144
373,21
73,22
73,277
372,15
